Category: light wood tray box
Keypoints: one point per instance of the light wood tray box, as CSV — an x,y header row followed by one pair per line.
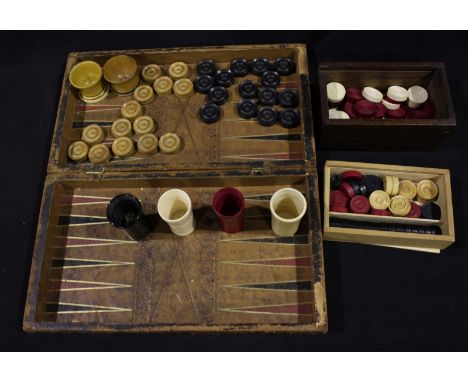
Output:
x,y
361,133
423,242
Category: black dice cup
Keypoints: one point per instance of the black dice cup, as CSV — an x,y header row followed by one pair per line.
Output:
x,y
124,212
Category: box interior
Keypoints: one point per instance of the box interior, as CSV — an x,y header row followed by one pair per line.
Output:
x,y
414,176
230,142
382,79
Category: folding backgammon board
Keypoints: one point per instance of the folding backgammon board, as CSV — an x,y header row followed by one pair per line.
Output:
x,y
89,276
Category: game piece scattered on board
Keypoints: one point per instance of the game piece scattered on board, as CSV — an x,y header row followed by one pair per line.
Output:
x,y
183,88
209,113
121,127
285,66
289,118
267,116
144,125
151,73
259,66
288,98
248,89
240,67
99,154
267,96
147,144
178,70
218,95
224,77
163,86
78,151
123,147
247,108
169,143
144,94
271,79
206,68
131,110
203,83
92,134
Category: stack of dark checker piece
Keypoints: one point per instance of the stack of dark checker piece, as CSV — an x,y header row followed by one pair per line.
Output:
x,y
393,227
214,83
349,193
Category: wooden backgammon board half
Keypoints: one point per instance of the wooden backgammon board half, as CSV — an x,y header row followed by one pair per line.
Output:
x,y
88,276
232,142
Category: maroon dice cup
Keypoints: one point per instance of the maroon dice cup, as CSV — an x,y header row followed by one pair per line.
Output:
x,y
228,204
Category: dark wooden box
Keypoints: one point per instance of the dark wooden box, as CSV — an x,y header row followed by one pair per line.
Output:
x,y
412,241
88,276
377,134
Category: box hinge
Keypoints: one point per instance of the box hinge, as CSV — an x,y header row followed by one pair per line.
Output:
x,y
98,174
261,170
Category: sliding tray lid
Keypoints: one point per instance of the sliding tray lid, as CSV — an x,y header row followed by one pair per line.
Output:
x,y
230,143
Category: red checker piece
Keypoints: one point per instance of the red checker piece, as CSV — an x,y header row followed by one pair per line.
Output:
x,y
339,209
380,212
351,174
405,107
354,95
416,114
396,114
359,205
349,109
338,199
381,110
347,189
415,211
365,108
429,109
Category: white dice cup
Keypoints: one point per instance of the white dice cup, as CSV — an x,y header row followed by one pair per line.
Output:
x,y
283,226
175,198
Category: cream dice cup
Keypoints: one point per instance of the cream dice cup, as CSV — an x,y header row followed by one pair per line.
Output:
x,y
287,207
175,208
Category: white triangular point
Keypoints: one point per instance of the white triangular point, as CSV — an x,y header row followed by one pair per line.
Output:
x,y
102,263
82,285
93,308
78,242
273,240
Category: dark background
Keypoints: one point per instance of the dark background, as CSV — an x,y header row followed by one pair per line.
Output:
x,y
378,298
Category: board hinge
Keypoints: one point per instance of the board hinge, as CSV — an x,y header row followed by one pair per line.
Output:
x,y
97,174
261,170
